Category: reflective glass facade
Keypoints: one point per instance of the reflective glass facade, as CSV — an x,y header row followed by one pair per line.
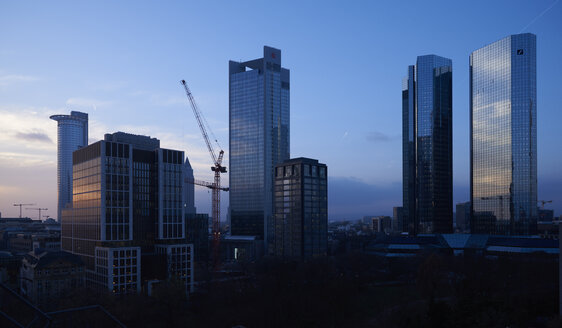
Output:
x,y
427,146
128,199
72,133
258,140
503,102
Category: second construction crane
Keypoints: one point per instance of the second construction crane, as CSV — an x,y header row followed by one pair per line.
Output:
x,y
217,168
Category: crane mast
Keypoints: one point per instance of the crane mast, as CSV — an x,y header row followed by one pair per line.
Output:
x,y
20,205
217,168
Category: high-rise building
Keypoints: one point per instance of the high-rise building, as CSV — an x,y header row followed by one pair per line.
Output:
x,y
397,219
189,188
128,208
258,139
503,143
463,216
72,134
427,146
301,209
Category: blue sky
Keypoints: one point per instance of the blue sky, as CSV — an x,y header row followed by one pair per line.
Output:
x,y
121,62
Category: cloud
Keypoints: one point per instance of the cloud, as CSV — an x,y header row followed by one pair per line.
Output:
x,y
87,102
15,78
376,136
37,135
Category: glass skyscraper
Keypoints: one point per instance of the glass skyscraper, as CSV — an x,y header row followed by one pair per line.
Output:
x,y
503,144
427,146
72,133
258,139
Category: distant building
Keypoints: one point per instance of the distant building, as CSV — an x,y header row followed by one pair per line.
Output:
x,y
259,128
381,224
72,134
503,144
128,208
397,219
301,209
545,215
427,146
189,188
49,275
241,248
463,216
25,242
197,233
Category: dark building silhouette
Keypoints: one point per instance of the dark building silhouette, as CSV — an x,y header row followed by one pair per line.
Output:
x,y
463,216
48,275
197,233
301,209
427,146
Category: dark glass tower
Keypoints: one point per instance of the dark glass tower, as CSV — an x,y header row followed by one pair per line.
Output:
x,y
301,209
427,146
503,144
258,139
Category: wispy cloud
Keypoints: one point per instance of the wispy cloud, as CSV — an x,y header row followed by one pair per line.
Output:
x,y
87,102
36,135
16,78
376,136
27,135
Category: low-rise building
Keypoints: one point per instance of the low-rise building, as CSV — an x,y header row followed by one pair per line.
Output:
x,y
48,275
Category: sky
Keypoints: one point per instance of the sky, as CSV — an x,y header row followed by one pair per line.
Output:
x,y
121,62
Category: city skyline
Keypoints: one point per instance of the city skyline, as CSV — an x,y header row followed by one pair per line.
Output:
x,y
120,79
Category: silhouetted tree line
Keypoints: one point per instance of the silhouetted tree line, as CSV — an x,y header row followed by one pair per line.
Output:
x,y
353,290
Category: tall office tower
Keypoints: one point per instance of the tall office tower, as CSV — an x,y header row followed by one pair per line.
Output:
x,y
301,209
503,129
427,146
72,133
397,218
463,216
127,208
189,188
258,140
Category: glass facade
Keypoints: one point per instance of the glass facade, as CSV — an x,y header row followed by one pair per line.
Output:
x,y
258,140
128,198
427,146
503,145
301,209
72,134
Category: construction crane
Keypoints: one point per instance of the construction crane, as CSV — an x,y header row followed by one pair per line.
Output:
x,y
37,209
544,202
20,205
217,168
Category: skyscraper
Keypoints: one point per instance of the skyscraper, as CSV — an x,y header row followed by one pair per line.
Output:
x,y
258,139
427,146
72,133
301,209
503,129
128,208
189,188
